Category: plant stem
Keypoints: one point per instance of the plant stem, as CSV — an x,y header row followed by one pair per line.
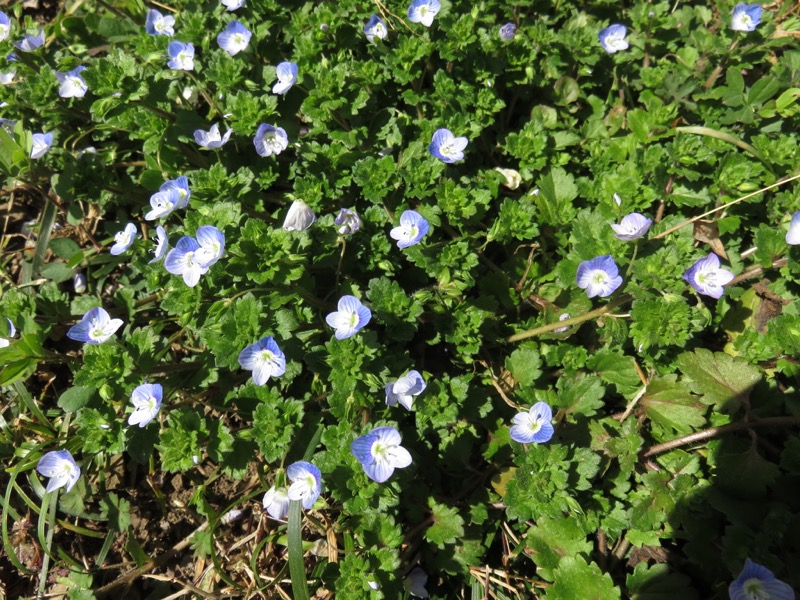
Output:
x,y
717,431
723,207
572,321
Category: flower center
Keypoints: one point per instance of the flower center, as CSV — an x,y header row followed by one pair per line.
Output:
x,y
599,277
379,452
266,357
754,589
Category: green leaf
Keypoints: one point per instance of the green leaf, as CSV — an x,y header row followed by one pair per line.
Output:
x,y
448,525
117,510
658,583
524,365
670,406
721,379
76,397
557,190
615,367
553,538
574,578
297,568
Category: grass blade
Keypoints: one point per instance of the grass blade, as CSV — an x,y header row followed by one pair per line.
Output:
x,y
297,570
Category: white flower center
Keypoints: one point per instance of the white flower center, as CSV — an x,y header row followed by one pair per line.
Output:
x,y
380,452
600,277
754,590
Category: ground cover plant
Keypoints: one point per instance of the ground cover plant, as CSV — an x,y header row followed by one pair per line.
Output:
x,y
373,299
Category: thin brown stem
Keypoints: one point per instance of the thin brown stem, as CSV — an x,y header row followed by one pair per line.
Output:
x,y
524,335
757,271
718,431
724,206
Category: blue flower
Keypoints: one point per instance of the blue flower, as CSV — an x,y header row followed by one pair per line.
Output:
x,y
61,468
123,239
534,425
41,143
146,400
413,227
31,43
182,260
347,221
265,359
182,185
375,28
423,11
707,277
287,77
276,503
7,78
507,32
163,203
349,318
158,24
612,38
446,147
306,483
270,140
404,389
380,453
5,26
599,276
211,139
793,235
12,331
756,582
232,5
181,56
72,84
632,226
234,38
95,327
299,218
746,17
212,245
161,245
415,581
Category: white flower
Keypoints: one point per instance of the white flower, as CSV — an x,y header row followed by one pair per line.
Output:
x,y
300,217
306,483
632,227
513,178
72,84
41,143
146,400
211,139
276,503
404,389
123,239
612,38
287,77
793,235
61,468
95,327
